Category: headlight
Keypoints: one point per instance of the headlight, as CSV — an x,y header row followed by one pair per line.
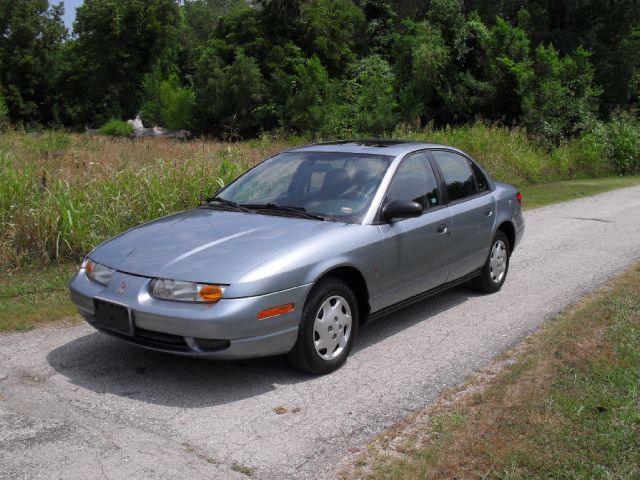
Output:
x,y
185,291
96,272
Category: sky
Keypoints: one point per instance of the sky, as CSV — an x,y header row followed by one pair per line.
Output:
x,y
70,11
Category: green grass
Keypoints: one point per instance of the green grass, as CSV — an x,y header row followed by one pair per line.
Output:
x,y
547,193
35,296
566,407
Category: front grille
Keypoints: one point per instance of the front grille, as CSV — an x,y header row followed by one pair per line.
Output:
x,y
147,338
160,337
167,341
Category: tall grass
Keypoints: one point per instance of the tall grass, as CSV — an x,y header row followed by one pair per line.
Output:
x,y
61,194
511,156
57,207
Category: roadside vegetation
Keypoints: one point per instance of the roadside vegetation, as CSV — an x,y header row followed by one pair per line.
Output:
x,y
564,405
29,297
61,194
547,193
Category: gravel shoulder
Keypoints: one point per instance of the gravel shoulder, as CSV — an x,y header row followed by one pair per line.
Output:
x,y
74,403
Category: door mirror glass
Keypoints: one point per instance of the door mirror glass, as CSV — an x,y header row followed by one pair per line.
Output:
x,y
401,209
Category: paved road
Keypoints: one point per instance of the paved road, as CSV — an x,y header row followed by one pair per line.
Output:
x,y
77,404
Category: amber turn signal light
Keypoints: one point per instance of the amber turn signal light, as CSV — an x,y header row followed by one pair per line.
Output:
x,y
210,293
275,311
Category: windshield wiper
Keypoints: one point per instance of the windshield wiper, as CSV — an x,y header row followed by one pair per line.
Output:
x,y
300,211
226,203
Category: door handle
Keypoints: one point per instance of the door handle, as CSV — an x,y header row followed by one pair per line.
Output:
x,y
488,212
442,229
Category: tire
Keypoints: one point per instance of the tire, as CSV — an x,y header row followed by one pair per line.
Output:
x,y
328,328
494,272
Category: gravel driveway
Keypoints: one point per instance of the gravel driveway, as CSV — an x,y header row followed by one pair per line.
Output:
x,y
77,404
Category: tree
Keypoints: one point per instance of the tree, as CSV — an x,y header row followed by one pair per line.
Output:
x,y
508,62
331,31
226,97
117,43
380,20
605,28
421,59
199,20
31,36
166,101
307,107
559,98
375,102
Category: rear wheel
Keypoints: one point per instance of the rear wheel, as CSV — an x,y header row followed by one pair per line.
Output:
x,y
328,327
494,272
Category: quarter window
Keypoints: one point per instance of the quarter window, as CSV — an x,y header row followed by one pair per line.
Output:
x,y
415,181
457,173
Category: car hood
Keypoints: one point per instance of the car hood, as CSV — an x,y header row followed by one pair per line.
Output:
x,y
205,245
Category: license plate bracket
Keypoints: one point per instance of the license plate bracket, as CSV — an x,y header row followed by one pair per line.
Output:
x,y
113,316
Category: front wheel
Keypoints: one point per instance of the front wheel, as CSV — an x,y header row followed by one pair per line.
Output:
x,y
494,271
328,327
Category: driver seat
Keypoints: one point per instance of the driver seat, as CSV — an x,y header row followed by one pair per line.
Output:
x,y
336,182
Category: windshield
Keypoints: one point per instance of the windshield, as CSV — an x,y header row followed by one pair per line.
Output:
x,y
332,184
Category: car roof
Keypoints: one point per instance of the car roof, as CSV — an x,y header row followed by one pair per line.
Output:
x,y
371,146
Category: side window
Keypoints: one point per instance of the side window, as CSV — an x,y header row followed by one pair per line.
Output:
x,y
481,179
415,181
457,174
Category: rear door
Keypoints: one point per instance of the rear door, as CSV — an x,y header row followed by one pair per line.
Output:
x,y
414,249
472,209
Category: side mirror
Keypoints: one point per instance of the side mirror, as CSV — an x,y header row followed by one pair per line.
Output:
x,y
401,209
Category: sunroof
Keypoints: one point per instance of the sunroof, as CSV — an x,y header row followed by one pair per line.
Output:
x,y
370,142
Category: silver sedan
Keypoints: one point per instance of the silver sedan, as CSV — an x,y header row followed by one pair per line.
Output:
x,y
299,252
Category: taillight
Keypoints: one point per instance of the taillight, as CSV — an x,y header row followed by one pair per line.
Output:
x,y
519,198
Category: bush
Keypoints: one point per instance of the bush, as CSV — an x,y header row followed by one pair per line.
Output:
x,y
117,128
585,156
623,137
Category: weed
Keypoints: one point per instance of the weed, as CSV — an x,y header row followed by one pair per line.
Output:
x,y
248,471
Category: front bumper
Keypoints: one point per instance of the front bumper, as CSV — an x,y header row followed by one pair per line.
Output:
x,y
228,329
